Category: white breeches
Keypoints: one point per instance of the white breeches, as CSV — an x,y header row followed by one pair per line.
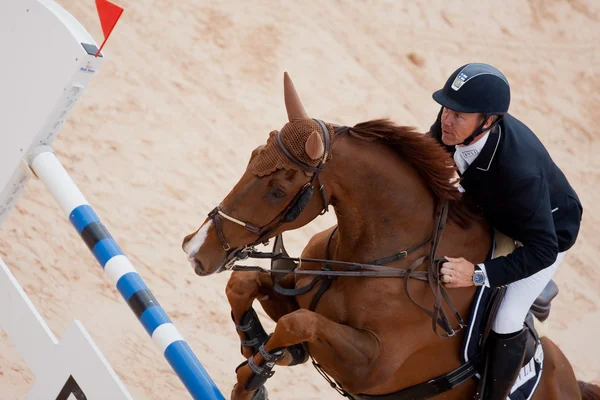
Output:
x,y
519,297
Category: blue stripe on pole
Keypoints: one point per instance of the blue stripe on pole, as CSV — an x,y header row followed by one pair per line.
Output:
x,y
190,371
130,283
153,317
82,216
106,249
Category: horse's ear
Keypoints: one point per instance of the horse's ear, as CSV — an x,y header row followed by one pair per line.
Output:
x,y
294,107
314,146
255,152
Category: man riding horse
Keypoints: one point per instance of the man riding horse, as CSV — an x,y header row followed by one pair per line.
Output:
x,y
510,176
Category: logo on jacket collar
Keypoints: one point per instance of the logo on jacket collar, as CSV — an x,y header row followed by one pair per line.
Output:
x,y
470,154
460,80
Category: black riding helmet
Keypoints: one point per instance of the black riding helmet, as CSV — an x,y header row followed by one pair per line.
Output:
x,y
476,88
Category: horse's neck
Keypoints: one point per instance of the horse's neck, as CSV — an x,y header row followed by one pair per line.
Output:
x,y
381,203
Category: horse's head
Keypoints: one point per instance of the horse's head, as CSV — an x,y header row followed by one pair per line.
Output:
x,y
275,193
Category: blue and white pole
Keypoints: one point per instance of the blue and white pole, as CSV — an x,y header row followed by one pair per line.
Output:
x,y
120,271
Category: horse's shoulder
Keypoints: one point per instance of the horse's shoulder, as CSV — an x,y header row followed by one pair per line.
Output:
x,y
317,245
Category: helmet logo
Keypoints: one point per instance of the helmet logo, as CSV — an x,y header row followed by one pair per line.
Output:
x,y
459,81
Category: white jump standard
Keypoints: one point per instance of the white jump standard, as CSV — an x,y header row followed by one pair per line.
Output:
x,y
48,61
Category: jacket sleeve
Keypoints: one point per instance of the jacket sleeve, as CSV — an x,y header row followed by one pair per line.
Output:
x,y
529,215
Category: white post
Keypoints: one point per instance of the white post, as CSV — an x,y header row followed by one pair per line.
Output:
x,y
47,61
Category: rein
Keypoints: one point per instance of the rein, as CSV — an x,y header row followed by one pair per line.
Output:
x,y
374,268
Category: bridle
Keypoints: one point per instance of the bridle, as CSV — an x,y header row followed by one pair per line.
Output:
x,y
289,214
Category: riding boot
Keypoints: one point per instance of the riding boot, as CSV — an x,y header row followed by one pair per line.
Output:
x,y
506,354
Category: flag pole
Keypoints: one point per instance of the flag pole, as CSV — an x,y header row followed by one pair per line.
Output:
x,y
109,14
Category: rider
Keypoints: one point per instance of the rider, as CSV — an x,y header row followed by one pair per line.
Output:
x,y
511,177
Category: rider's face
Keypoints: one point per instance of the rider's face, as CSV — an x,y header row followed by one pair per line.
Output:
x,y
457,126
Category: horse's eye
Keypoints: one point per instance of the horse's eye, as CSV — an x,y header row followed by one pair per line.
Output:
x,y
278,193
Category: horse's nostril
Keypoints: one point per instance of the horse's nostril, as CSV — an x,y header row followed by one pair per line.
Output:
x,y
198,268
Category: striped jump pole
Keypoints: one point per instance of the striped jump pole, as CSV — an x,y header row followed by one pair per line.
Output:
x,y
121,272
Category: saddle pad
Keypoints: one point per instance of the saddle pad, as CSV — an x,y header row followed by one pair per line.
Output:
x,y
529,377
531,373
501,246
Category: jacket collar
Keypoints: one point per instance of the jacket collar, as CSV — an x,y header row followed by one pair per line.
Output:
x,y
483,162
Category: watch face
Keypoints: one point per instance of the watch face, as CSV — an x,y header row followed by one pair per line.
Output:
x,y
478,278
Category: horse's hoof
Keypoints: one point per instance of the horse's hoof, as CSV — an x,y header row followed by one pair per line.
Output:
x,y
261,394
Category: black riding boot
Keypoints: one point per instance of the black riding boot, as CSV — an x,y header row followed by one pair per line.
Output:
x,y
506,354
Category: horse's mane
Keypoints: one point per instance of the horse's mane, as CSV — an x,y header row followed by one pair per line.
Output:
x,y
431,160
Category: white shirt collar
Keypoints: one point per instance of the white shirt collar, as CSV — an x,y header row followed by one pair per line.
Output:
x,y
465,155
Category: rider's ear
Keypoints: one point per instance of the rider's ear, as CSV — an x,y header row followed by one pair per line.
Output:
x,y
314,146
490,121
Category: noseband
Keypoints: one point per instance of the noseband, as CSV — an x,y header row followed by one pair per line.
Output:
x,y
292,210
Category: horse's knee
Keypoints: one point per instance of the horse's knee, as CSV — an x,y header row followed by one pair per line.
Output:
x,y
242,285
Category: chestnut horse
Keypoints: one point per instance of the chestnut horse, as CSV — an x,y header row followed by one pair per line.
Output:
x,y
386,184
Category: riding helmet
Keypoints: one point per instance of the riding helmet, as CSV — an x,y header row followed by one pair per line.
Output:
x,y
475,88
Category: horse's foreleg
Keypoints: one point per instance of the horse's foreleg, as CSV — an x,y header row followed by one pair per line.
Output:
x,y
242,289
348,351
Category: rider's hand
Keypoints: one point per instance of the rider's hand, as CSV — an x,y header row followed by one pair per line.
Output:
x,y
457,272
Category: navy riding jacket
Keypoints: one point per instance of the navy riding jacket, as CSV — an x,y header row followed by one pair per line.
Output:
x,y
524,195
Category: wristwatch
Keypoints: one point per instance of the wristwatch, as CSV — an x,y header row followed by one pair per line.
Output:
x,y
478,278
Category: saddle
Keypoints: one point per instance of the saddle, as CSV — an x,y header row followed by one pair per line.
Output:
x,y
541,306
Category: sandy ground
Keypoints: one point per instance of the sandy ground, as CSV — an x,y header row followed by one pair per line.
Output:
x,y
189,88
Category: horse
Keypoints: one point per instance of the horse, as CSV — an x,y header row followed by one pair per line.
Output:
x,y
394,193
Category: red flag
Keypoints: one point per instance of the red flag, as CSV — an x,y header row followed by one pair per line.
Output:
x,y
109,14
